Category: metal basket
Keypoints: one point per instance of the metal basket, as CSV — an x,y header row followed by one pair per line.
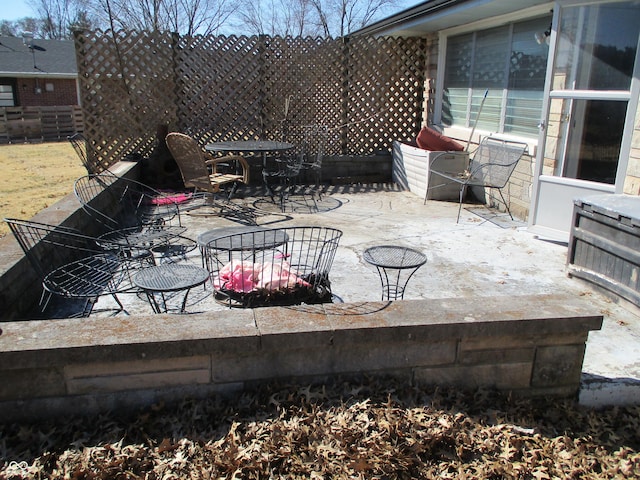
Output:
x,y
266,267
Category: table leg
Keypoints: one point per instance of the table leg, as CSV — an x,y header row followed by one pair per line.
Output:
x,y
155,306
393,288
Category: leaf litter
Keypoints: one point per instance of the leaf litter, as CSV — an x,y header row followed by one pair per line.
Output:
x,y
376,428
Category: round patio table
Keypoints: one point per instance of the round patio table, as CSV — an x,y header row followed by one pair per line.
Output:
x,y
250,146
395,265
169,277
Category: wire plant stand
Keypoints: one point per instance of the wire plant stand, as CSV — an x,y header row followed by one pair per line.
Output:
x,y
396,265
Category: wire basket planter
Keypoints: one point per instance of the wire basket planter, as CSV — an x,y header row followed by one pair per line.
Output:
x,y
269,267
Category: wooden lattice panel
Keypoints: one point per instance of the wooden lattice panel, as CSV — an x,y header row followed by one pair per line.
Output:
x,y
218,79
368,91
127,88
386,85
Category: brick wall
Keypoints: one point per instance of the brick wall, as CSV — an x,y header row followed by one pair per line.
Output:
x,y
53,92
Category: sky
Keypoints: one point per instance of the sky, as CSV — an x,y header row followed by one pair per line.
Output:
x,y
15,9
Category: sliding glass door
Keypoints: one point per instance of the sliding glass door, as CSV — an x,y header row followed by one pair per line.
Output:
x,y
591,101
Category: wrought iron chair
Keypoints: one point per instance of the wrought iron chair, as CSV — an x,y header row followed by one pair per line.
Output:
x,y
491,167
201,171
71,265
314,146
87,155
131,214
282,266
308,158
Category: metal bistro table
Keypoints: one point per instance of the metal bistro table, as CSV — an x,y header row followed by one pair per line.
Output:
x,y
262,147
169,277
395,265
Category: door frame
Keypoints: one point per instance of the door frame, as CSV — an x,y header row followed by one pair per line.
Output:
x,y
552,196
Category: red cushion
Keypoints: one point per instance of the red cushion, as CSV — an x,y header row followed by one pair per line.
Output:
x,y
429,139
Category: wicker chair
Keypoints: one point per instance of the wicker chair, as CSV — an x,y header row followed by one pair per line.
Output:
x,y
203,172
72,265
491,167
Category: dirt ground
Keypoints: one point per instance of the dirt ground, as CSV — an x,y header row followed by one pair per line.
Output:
x,y
35,176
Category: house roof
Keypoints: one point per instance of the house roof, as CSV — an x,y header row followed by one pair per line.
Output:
x,y
435,15
47,58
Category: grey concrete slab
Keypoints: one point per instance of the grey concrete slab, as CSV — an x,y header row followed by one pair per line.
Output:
x,y
486,254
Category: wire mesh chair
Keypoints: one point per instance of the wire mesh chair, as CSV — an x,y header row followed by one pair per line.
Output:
x,y
71,265
314,146
491,167
130,214
87,155
284,266
309,155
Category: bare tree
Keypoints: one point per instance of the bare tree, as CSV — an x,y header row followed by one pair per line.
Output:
x,y
328,18
205,17
57,17
15,28
188,17
346,16
273,17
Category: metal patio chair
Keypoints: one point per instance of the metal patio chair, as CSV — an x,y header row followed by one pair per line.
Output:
x,y
491,167
131,214
308,158
70,264
314,146
86,154
203,172
282,266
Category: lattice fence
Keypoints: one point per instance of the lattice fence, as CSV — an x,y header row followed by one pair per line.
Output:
x,y
368,91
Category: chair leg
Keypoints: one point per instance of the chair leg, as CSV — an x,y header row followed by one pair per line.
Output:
x,y
505,203
232,190
463,190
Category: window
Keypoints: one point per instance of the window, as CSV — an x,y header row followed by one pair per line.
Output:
x,y
508,65
6,96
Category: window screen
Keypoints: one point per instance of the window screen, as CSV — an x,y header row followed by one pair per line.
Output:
x,y
509,65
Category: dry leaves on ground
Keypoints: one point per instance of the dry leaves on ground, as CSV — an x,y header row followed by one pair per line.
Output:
x,y
373,429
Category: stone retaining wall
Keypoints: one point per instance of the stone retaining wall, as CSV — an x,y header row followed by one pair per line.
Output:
x,y
531,345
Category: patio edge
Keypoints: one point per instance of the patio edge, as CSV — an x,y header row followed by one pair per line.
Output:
x,y
529,345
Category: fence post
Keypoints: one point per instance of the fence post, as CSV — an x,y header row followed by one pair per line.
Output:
x,y
344,111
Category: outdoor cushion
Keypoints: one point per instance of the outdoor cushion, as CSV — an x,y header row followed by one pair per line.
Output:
x,y
429,139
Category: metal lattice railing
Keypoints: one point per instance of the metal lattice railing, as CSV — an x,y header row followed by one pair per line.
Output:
x,y
367,91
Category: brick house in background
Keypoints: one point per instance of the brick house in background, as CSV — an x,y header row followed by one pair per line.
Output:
x,y
39,98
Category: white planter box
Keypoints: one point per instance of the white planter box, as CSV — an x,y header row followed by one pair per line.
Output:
x,y
411,170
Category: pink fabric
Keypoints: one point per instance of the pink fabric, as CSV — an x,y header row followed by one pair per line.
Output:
x,y
245,277
178,198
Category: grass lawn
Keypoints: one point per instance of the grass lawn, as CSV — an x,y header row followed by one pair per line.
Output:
x,y
35,176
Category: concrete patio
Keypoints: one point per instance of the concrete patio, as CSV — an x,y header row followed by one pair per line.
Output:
x,y
485,255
